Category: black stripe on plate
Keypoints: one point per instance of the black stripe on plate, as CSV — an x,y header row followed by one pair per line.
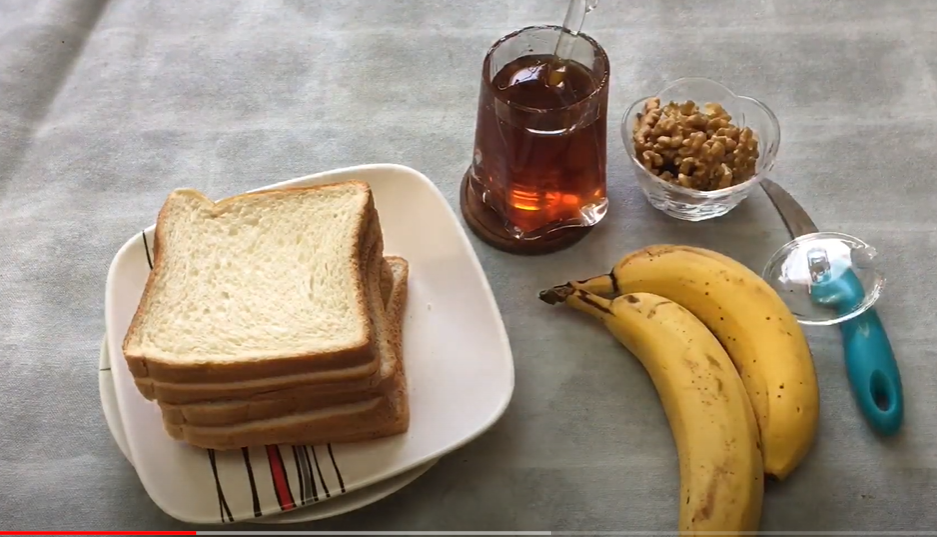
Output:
x,y
299,476
311,474
222,503
255,497
325,488
341,482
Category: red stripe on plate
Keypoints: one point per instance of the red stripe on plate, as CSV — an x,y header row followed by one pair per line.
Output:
x,y
281,483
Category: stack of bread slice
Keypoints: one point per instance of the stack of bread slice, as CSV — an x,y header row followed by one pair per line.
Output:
x,y
272,318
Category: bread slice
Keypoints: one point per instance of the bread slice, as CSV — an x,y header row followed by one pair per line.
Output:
x,y
385,415
260,285
357,422
283,387
394,287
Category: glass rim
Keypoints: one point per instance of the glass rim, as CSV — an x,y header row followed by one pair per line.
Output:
x,y
702,194
596,47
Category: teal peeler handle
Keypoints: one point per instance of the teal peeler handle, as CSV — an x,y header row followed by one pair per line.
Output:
x,y
870,361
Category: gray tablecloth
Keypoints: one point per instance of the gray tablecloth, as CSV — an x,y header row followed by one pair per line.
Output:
x,y
106,106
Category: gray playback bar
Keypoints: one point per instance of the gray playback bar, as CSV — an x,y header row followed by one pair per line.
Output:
x,y
589,533
373,533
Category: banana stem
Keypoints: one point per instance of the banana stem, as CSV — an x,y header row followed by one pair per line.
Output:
x,y
598,285
557,294
601,285
578,299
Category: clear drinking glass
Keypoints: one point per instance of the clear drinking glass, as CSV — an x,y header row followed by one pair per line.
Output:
x,y
539,165
694,205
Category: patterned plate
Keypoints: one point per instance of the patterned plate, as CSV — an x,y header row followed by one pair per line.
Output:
x,y
317,509
460,371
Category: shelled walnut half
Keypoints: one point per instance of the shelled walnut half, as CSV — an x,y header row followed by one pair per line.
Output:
x,y
698,149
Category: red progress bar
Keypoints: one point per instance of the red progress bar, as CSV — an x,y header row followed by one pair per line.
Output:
x,y
97,533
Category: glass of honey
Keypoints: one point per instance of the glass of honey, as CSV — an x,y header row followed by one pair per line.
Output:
x,y
537,181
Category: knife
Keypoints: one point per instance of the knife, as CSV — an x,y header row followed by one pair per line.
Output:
x,y
870,361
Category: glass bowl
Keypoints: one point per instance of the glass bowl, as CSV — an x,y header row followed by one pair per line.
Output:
x,y
695,205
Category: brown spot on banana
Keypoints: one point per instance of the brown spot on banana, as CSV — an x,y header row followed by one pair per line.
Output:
x,y
705,511
713,362
653,312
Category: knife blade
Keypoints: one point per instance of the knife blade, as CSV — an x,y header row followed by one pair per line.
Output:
x,y
795,218
870,361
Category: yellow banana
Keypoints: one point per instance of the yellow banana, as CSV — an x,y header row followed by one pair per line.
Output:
x,y
710,415
754,325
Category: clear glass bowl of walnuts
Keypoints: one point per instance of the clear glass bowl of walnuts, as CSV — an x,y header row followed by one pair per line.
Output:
x,y
698,149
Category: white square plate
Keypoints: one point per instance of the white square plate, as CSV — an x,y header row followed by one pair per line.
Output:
x,y
458,360
324,506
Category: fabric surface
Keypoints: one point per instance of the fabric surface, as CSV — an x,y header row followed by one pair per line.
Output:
x,y
107,105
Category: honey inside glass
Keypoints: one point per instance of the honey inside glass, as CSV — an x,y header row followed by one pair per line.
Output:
x,y
540,143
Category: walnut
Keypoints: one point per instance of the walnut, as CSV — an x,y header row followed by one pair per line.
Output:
x,y
696,148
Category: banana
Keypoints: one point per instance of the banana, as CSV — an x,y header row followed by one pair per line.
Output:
x,y
710,415
754,325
